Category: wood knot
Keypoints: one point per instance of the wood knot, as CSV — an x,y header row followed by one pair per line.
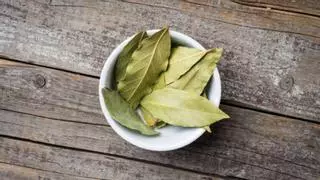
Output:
x,y
39,81
286,83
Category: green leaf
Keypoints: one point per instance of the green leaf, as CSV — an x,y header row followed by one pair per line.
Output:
x,y
198,76
121,111
148,118
148,61
161,82
125,56
181,60
182,108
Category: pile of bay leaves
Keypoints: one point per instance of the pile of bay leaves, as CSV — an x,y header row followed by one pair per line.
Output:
x,y
167,83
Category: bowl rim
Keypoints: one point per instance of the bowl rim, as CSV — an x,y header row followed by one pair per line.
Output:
x,y
214,96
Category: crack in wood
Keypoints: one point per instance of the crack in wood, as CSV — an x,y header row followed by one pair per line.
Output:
x,y
222,21
216,154
108,154
270,7
58,119
38,169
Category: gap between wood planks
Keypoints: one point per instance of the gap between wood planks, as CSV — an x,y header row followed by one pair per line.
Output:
x,y
248,4
58,119
223,102
244,106
49,67
118,156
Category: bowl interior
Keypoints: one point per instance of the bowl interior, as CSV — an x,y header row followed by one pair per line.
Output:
x,y
171,137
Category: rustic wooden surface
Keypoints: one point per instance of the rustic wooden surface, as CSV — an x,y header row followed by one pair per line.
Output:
x,y
51,125
84,164
268,153
267,63
309,7
10,172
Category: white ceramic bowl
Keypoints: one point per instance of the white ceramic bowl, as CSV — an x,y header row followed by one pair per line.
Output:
x,y
170,137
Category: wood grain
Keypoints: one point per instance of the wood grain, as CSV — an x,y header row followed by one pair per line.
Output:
x,y
250,145
232,12
85,164
263,69
13,172
310,7
266,65
257,144
49,93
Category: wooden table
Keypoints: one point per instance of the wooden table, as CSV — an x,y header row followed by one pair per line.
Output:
x,y
52,52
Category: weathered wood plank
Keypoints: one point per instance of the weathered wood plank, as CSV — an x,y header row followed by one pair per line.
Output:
x,y
263,69
85,164
13,172
250,145
229,11
311,7
49,93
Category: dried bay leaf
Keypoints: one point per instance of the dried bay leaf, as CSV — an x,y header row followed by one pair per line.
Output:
x,y
182,108
181,60
148,61
160,83
125,56
121,111
148,117
198,76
